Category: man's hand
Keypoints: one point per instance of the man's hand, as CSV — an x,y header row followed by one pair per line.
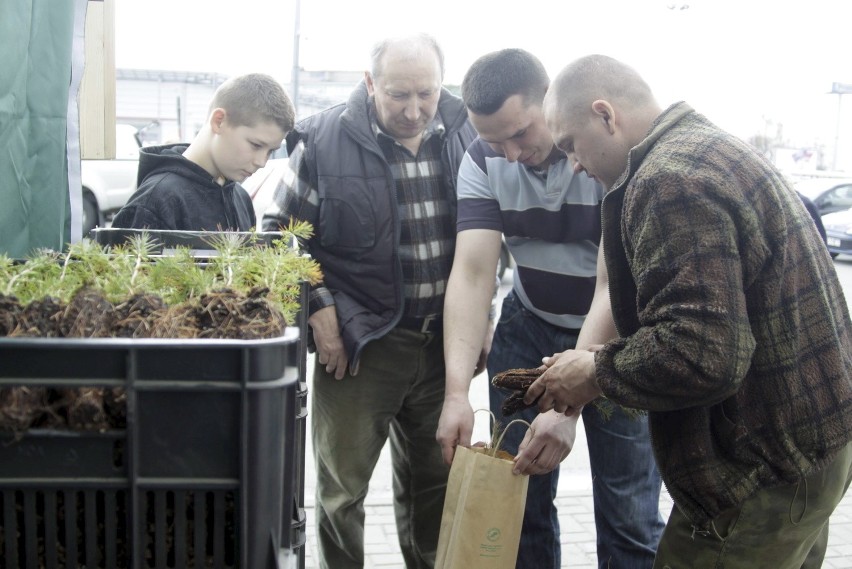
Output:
x,y
568,383
455,426
330,350
546,444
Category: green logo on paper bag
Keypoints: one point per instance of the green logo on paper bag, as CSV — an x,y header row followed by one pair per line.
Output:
x,y
493,550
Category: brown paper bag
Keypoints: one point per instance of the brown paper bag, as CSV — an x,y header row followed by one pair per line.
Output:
x,y
483,512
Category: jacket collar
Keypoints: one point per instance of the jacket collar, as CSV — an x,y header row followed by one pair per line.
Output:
x,y
660,126
434,128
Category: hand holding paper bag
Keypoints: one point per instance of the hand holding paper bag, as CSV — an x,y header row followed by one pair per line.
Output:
x,y
483,511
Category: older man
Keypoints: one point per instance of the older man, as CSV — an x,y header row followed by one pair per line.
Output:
x,y
376,177
734,333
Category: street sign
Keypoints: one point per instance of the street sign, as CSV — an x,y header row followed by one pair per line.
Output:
x,y
841,88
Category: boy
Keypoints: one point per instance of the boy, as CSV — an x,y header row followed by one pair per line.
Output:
x,y
196,187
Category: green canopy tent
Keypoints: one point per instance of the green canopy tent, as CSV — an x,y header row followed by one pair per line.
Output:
x,y
41,42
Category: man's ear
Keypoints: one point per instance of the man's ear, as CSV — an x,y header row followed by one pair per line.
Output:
x,y
605,113
217,118
368,79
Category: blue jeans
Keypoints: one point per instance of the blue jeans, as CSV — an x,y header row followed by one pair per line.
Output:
x,y
625,481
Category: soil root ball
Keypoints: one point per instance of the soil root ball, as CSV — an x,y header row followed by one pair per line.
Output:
x,y
22,407
224,313
135,317
175,322
10,309
84,408
88,315
39,318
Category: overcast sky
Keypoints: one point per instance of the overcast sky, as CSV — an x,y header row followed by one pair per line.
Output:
x,y
746,64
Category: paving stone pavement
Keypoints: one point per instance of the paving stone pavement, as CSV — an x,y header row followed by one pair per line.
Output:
x,y
578,534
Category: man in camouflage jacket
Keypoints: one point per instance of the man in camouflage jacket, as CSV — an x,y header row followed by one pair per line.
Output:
x,y
733,330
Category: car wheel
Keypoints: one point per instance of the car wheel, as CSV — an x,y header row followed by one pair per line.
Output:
x,y
833,255
90,213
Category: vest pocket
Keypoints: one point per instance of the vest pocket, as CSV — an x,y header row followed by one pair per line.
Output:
x,y
346,218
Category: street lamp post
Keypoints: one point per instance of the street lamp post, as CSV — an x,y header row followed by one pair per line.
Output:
x,y
839,89
294,76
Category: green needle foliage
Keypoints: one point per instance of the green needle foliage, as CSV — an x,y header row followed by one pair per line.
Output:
x,y
240,264
32,280
178,277
134,258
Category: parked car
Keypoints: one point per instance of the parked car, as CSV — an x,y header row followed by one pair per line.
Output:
x,y
838,232
828,194
108,184
261,185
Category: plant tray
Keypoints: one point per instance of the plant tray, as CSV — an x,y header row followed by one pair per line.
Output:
x,y
165,242
203,475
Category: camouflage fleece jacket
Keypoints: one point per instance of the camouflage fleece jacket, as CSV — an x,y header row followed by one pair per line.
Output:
x,y
735,334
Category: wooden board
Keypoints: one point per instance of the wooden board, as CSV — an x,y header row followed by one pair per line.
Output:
x,y
97,89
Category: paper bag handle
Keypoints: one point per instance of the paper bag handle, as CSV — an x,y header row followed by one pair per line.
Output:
x,y
492,451
503,433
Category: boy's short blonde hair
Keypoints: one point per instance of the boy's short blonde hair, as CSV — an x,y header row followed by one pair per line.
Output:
x,y
252,98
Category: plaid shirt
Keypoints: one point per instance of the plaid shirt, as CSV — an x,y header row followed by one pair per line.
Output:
x,y
427,230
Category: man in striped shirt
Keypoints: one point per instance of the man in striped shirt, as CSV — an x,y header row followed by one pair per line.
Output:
x,y
514,182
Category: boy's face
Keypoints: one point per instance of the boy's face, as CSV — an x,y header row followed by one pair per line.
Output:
x,y
239,151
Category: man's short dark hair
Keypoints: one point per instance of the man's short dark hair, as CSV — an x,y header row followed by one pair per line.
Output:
x,y
498,75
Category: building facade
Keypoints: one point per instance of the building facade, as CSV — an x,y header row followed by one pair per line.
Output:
x,y
171,106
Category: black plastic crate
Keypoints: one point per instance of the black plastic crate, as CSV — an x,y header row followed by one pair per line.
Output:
x,y
206,474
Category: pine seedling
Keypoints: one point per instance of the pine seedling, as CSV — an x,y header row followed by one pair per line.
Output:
x,y
280,270
177,278
7,270
230,247
86,263
133,260
36,278
498,431
300,230
243,266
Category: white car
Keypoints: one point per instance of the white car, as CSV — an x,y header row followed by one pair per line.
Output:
x,y
828,194
108,184
838,231
261,185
